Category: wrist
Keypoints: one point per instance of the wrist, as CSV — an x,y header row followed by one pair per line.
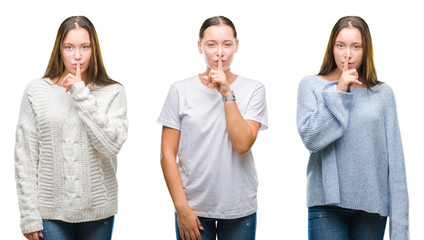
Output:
x,y
229,97
181,207
341,88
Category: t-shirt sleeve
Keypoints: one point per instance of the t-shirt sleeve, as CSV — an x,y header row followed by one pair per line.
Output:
x,y
169,115
256,109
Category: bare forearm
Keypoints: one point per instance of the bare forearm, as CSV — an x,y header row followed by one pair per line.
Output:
x,y
174,183
240,132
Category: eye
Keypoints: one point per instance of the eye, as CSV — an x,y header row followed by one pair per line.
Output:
x,y
68,47
211,45
357,47
228,45
339,45
85,47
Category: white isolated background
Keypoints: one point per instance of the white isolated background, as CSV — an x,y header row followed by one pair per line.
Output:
x,y
148,45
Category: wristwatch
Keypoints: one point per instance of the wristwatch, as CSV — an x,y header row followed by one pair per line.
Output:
x,y
229,97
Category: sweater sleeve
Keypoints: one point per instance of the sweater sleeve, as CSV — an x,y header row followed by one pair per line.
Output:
x,y
398,192
322,113
26,164
106,126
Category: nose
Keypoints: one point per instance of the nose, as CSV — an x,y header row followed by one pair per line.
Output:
x,y
219,51
348,53
77,55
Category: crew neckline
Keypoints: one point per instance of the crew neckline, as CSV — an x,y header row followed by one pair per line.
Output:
x,y
212,91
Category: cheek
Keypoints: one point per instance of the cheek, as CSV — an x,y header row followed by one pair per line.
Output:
x,y
209,55
359,58
229,53
338,54
87,55
66,58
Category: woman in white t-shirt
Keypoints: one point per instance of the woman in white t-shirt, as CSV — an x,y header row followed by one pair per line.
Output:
x,y
211,121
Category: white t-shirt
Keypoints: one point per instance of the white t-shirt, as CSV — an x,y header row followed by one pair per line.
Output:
x,y
218,182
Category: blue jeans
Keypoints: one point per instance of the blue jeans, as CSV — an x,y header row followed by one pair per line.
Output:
x,y
226,229
335,223
95,230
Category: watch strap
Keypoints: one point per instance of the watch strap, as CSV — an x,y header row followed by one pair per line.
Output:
x,y
229,97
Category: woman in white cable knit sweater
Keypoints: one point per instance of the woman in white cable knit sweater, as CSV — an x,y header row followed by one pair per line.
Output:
x,y
72,125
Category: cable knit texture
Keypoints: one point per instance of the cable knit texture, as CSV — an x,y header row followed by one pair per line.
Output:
x,y
65,153
356,158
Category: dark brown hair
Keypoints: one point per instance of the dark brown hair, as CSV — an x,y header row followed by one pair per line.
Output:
x,y
367,72
218,20
96,72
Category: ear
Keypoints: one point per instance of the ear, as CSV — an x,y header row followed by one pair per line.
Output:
x,y
199,46
237,44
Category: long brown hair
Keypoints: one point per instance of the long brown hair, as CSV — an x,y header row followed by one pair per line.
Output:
x,y
96,72
367,72
218,20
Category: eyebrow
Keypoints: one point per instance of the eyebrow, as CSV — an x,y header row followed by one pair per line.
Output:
x,y
213,40
344,42
64,43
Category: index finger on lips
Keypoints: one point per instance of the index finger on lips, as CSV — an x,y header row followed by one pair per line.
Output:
x,y
346,63
78,75
220,68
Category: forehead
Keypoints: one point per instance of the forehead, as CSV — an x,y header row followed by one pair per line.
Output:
x,y
218,32
78,34
349,34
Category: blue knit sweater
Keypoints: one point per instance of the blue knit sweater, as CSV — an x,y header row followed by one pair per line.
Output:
x,y
356,158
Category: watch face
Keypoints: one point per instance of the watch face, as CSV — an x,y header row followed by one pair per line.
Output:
x,y
229,98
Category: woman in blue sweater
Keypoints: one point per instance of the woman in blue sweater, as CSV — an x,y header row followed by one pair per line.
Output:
x,y
347,120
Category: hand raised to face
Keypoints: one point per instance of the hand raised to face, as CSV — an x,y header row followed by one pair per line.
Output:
x,y
348,77
219,79
70,80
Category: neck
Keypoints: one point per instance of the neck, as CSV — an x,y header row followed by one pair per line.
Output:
x,y
333,75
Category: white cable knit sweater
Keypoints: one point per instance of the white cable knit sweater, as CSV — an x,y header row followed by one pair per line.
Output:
x,y
65,153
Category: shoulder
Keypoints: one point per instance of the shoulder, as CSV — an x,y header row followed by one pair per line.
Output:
x,y
312,83
384,90
246,80
249,83
313,80
185,82
181,85
386,96
115,88
36,84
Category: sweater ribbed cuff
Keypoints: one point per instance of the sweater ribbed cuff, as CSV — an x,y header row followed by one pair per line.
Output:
x,y
76,87
33,227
